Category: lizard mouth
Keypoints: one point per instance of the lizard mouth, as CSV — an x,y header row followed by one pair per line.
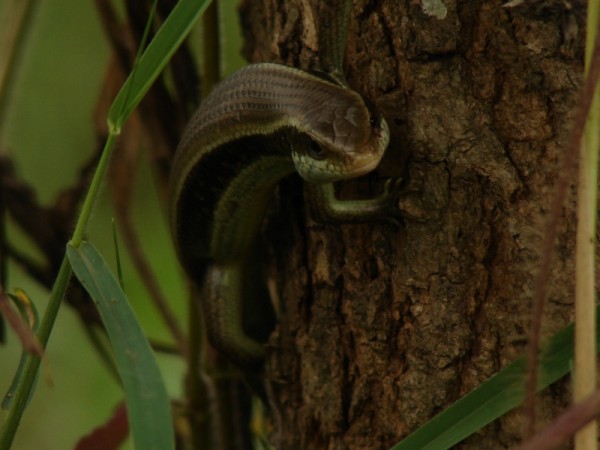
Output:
x,y
364,163
365,166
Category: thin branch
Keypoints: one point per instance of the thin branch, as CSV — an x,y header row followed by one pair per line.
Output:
x,y
38,272
564,176
565,426
15,27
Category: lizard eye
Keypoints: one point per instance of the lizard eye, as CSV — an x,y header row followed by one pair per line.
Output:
x,y
315,150
374,122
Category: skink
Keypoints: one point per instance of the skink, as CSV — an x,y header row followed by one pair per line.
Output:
x,y
261,124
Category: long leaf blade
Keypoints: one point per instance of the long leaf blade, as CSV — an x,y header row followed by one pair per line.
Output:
x,y
155,57
148,406
501,393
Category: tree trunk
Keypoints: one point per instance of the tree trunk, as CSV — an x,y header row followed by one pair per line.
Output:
x,y
382,327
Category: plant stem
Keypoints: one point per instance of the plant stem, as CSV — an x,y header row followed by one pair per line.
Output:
x,y
90,198
33,362
571,151
584,377
58,291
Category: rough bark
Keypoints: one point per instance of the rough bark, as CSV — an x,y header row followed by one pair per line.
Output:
x,y
380,328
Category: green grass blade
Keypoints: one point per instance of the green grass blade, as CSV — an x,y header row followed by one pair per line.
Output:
x,y
501,393
167,39
148,406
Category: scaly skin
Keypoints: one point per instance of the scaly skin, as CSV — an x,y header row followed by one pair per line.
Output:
x,y
261,124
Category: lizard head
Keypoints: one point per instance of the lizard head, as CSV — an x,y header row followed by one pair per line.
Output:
x,y
341,136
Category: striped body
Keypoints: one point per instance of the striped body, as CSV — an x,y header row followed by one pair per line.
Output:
x,y
261,124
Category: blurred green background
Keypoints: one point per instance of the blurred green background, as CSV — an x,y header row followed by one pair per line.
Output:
x,y
48,133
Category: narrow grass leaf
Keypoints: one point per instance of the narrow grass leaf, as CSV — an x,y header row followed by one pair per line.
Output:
x,y
167,40
501,393
148,406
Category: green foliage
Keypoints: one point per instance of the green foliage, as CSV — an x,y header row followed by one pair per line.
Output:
x,y
148,405
147,400
157,55
147,70
493,398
